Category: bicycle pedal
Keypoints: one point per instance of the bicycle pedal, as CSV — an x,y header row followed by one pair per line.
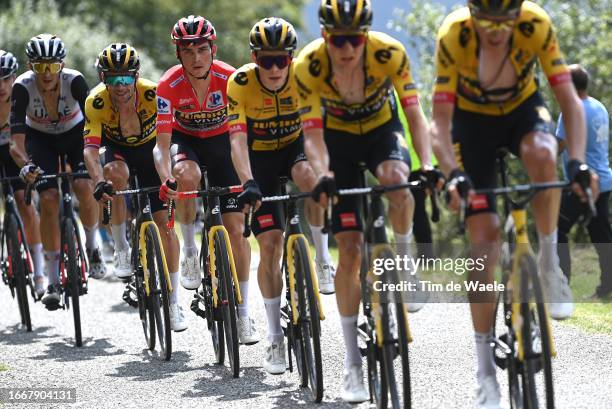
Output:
x,y
128,299
363,351
54,306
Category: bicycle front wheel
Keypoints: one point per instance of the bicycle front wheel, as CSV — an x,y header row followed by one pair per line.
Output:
x,y
158,291
309,319
228,301
535,338
146,319
72,267
17,266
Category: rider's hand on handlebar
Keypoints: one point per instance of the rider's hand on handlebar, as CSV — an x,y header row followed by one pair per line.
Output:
x,y
167,191
324,190
458,188
583,180
103,191
432,177
29,172
250,196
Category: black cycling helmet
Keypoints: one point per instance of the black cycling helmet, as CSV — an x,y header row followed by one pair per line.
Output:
x,y
46,47
495,7
273,34
118,57
8,64
346,14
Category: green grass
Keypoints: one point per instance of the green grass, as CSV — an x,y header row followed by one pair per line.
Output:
x,y
4,367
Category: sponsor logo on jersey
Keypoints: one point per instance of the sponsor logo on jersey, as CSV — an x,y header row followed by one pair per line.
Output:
x,y
163,105
348,220
215,100
219,75
177,81
265,220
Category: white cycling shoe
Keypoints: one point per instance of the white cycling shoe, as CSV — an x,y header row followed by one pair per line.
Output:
x,y
177,318
190,272
123,269
247,332
557,293
274,361
487,394
353,390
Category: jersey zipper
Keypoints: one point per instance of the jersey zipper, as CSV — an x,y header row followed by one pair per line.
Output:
x,y
278,117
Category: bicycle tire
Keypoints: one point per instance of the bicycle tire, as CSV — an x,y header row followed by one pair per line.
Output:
x,y
403,350
214,322
228,302
17,264
147,321
158,291
532,330
73,274
310,326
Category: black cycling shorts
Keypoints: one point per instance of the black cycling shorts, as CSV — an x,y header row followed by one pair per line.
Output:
x,y
215,153
45,149
10,167
140,160
478,137
267,168
347,152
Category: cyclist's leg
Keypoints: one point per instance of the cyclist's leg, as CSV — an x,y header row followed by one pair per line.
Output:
x,y
601,237
537,148
44,154
420,223
476,152
302,174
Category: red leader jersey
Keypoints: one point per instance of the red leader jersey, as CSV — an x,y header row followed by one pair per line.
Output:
x,y
178,107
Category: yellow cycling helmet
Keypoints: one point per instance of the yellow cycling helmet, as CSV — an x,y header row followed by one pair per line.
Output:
x,y
346,14
273,34
118,57
495,7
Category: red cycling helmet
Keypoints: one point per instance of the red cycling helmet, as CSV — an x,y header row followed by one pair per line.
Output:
x,y
193,29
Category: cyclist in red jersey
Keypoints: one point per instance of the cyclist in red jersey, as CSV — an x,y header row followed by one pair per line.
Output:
x,y
192,114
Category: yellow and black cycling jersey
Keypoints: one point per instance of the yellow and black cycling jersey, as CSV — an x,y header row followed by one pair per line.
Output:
x,y
457,61
102,119
386,66
270,119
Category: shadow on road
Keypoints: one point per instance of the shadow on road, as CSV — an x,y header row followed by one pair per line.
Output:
x,y
149,366
17,335
302,398
67,352
123,307
217,380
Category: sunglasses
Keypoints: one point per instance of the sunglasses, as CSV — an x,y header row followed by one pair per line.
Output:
x,y
338,40
41,67
117,80
490,25
268,61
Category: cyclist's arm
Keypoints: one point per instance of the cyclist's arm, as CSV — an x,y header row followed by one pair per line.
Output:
x,y
573,120
92,132
237,120
316,151
440,131
19,105
161,151
420,136
80,91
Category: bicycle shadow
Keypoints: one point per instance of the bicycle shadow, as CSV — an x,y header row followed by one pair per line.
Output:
x,y
151,367
17,335
123,307
251,384
302,397
67,352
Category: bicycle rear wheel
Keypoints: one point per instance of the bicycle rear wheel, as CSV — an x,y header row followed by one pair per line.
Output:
x,y
310,326
228,301
17,266
158,291
536,339
73,269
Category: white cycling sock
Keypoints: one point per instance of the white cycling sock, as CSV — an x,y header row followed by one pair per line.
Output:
x,y
91,237
349,332
547,255
275,331
243,309
38,258
320,243
174,282
52,265
119,232
189,244
484,355
403,243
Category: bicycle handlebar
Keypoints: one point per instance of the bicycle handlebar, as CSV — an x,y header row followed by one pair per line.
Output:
x,y
30,186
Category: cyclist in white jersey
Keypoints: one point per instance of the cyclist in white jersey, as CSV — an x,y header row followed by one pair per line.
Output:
x,y
47,116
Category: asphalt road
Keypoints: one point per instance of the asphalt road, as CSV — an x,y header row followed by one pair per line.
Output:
x,y
114,369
